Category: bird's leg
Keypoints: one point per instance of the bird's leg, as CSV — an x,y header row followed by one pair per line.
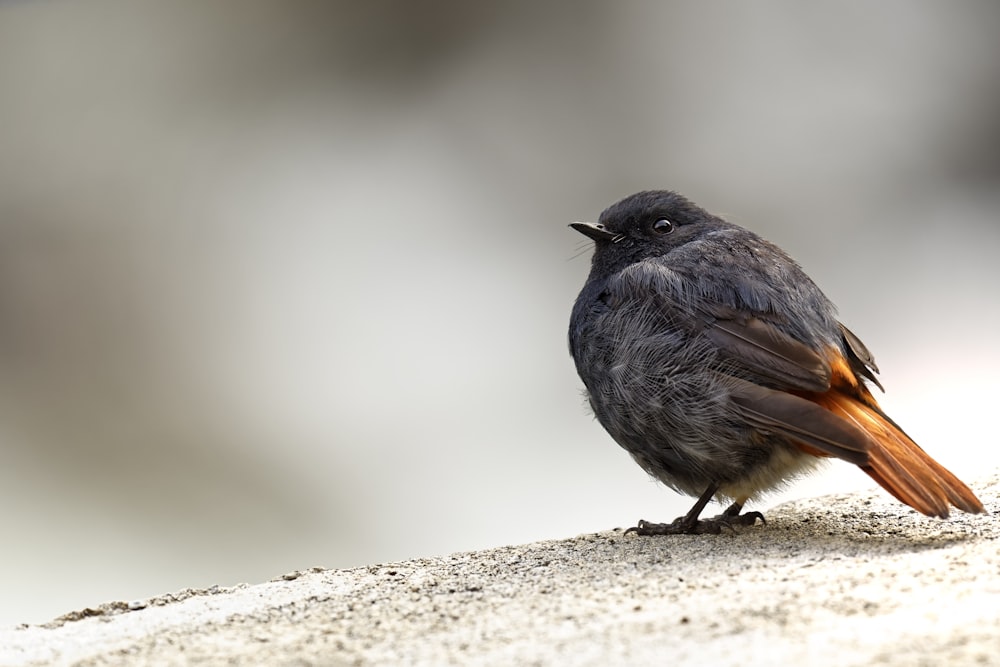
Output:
x,y
685,525
689,524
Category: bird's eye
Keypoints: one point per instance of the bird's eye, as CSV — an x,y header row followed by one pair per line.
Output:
x,y
663,226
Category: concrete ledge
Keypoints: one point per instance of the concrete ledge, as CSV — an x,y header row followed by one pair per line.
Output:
x,y
839,580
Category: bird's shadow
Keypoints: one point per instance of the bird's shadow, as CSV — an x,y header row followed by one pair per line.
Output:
x,y
836,528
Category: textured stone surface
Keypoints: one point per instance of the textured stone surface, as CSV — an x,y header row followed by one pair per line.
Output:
x,y
839,580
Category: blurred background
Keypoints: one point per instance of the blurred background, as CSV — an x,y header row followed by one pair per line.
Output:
x,y
286,284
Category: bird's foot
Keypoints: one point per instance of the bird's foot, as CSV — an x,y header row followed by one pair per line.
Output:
x,y
684,525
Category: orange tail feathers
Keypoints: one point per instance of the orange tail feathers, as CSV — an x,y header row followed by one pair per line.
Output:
x,y
899,465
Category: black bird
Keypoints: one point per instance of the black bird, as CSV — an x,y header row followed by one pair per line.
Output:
x,y
713,359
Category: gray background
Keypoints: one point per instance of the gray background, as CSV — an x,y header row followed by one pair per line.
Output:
x,y
286,284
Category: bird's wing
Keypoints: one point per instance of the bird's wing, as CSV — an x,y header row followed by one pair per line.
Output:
x,y
823,432
794,373
763,349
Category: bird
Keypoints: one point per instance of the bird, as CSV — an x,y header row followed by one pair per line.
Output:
x,y
710,356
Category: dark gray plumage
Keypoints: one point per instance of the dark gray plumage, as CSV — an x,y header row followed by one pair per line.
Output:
x,y
717,363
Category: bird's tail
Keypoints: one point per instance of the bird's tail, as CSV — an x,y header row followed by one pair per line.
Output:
x,y
899,465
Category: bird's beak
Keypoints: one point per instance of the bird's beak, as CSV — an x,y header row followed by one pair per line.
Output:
x,y
594,230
